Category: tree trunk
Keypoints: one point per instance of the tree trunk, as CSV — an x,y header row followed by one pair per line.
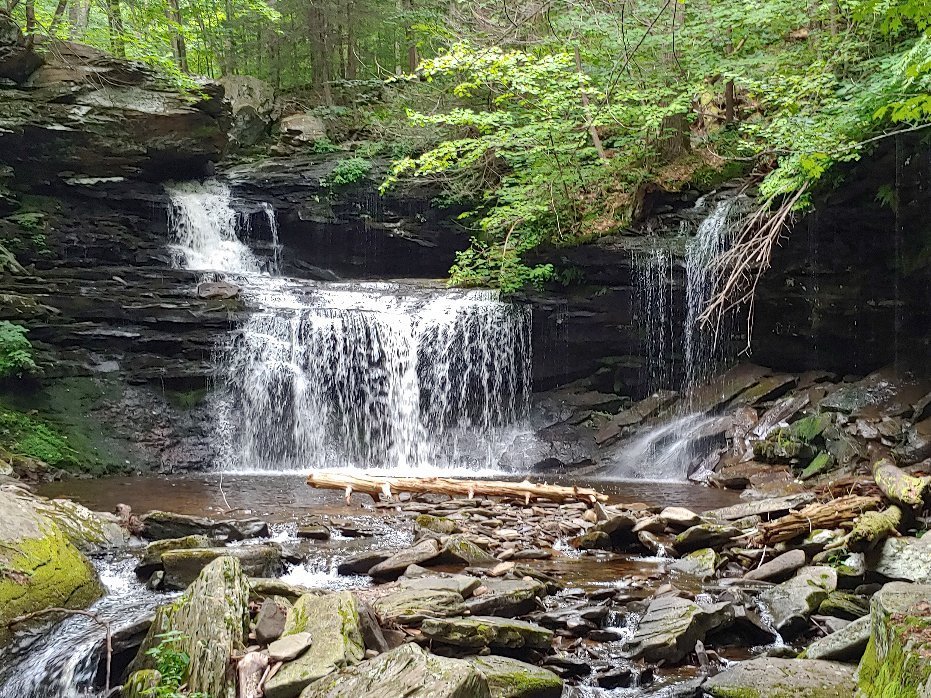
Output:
x,y
596,139
730,102
837,512
56,18
78,17
351,51
30,17
377,485
115,18
674,129
178,46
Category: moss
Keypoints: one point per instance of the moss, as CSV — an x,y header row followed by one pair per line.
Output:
x,y
903,670
187,400
37,573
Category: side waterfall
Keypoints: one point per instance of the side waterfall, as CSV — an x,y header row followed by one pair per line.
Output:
x,y
667,450
367,375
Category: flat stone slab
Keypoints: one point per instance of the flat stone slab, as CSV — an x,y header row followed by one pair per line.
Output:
x,y
672,625
779,568
394,566
487,631
846,645
411,606
462,584
905,558
405,672
763,507
506,597
769,677
512,678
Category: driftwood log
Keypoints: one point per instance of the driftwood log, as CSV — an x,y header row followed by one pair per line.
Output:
x,y
873,527
376,485
900,487
837,513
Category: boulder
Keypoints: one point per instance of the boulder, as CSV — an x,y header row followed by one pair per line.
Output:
x,y
211,621
774,506
183,566
701,563
512,678
394,566
93,532
217,290
680,517
411,606
671,627
405,672
895,662
151,559
361,563
17,60
40,565
507,598
158,525
905,558
270,620
792,602
705,535
769,677
779,568
459,549
845,604
336,642
303,128
845,645
557,446
487,631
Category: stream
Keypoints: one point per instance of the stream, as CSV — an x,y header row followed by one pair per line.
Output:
x,y
409,377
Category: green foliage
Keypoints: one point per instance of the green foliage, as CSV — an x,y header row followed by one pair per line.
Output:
x,y
349,171
324,145
23,434
172,663
16,353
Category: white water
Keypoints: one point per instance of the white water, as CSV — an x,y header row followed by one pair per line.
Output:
x,y
362,375
665,452
61,659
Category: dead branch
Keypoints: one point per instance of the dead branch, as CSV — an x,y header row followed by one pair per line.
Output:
x,y
375,485
74,612
841,512
738,270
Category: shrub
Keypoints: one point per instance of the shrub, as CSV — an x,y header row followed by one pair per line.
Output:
x,y
16,353
349,171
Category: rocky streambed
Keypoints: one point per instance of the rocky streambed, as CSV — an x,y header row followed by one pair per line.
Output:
x,y
433,596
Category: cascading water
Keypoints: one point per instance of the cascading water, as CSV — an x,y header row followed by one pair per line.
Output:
x,y
64,659
667,450
654,290
703,348
368,375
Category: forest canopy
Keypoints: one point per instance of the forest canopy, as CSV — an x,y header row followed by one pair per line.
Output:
x,y
549,119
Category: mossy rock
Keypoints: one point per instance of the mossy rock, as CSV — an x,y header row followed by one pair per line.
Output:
x,y
769,677
151,560
183,566
39,566
458,549
897,661
439,525
336,642
405,672
212,619
411,606
511,678
487,631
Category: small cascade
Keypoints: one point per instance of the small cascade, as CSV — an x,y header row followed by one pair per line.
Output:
x,y
64,659
202,220
704,350
376,376
666,451
654,299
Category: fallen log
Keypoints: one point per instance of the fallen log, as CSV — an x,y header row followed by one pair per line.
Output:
x,y
900,487
378,485
873,527
837,513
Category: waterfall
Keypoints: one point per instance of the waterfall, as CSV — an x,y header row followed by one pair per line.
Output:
x,y
666,450
204,225
376,376
653,272
703,348
368,375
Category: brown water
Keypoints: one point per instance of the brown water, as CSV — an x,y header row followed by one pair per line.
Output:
x,y
284,498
